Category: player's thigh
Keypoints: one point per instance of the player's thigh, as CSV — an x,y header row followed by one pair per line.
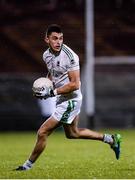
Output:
x,y
49,125
71,129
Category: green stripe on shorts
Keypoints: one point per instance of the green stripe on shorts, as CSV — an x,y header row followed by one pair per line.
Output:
x,y
66,114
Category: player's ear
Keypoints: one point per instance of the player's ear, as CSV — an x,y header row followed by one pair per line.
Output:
x,y
46,40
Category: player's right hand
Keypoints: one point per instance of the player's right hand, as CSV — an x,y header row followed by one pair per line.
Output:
x,y
44,94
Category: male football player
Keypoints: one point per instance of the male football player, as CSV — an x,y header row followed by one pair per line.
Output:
x,y
63,65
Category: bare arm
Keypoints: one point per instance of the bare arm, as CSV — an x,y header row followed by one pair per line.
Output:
x,y
74,84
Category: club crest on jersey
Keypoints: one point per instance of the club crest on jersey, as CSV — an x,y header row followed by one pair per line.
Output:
x,y
72,61
58,63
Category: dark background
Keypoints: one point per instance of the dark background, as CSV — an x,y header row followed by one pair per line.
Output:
x,y
22,28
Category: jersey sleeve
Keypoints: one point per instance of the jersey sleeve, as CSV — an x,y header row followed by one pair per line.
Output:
x,y
44,57
73,63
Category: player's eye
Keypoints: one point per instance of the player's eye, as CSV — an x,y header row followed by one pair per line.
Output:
x,y
54,38
61,38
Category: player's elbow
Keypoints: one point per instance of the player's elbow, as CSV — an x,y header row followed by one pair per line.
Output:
x,y
75,85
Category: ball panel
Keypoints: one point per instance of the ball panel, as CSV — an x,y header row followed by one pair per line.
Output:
x,y
41,84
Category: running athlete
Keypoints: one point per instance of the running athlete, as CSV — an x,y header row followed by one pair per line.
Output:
x,y
63,66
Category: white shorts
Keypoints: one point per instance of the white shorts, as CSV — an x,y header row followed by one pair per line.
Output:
x,y
47,106
66,111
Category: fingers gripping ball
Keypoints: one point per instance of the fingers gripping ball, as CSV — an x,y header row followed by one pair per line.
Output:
x,y
42,87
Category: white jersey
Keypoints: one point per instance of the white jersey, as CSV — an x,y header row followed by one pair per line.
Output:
x,y
59,66
67,105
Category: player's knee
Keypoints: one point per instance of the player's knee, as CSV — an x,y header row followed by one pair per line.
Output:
x,y
73,135
41,133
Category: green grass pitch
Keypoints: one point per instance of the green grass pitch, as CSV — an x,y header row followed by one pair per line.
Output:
x,y
67,159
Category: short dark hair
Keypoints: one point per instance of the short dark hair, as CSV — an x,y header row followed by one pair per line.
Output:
x,y
53,28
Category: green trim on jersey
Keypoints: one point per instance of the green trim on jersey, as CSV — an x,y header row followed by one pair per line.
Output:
x,y
68,52
66,114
